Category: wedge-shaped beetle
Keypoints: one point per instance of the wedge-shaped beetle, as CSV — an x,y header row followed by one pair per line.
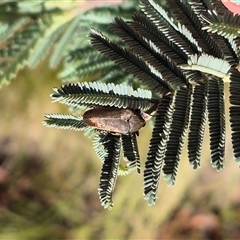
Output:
x,y
116,120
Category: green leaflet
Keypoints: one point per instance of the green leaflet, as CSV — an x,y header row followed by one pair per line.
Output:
x,y
58,52
30,29
157,146
44,44
19,46
96,94
216,119
65,121
226,25
208,64
197,107
100,142
180,58
109,170
130,152
225,30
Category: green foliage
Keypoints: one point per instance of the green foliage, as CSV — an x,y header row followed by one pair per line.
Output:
x,y
98,94
65,121
183,56
130,152
29,30
198,105
108,177
167,54
226,25
160,45
18,43
209,64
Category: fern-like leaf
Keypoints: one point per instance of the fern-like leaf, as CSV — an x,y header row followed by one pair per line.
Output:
x,y
130,152
130,61
209,64
65,39
226,26
100,145
198,117
99,94
45,43
65,121
82,60
7,30
94,67
109,170
119,76
177,133
175,35
18,47
156,151
189,14
88,63
150,52
216,117
235,112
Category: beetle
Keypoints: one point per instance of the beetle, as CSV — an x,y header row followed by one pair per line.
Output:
x,y
116,120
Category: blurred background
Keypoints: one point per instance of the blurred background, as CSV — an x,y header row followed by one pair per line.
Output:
x,y
49,179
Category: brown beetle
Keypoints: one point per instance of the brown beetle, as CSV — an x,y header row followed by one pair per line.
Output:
x,y
112,119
